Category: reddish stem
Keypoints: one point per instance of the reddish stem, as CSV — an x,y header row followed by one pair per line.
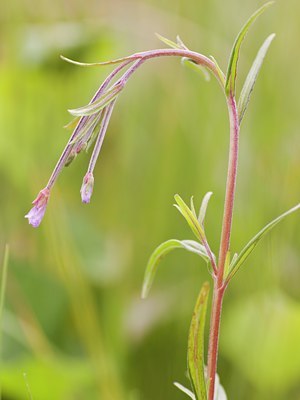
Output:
x,y
219,286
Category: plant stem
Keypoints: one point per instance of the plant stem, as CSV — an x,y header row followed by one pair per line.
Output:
x,y
230,185
219,286
218,294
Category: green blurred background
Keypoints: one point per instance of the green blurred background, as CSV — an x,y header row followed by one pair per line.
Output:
x,y
73,321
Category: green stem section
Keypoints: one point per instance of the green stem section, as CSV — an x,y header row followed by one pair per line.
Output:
x,y
219,285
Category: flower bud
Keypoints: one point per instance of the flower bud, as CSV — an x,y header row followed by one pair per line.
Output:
x,y
87,187
37,212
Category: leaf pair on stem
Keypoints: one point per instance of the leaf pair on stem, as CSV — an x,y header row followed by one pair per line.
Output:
x,y
196,363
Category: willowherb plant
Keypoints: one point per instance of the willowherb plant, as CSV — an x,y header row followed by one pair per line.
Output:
x,y
91,122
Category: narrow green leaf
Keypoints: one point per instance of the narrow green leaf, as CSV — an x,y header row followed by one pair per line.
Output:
x,y
72,124
203,207
252,76
196,345
100,64
195,247
98,105
190,217
180,43
161,251
168,42
227,263
232,262
247,250
196,67
193,206
234,56
219,71
185,390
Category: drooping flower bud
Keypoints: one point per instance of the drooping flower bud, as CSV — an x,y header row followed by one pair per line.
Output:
x,y
87,187
37,212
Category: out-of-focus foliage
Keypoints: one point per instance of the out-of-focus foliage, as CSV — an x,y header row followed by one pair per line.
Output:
x,y
73,319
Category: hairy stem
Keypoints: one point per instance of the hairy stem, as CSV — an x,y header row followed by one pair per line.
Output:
x,y
230,185
219,285
218,294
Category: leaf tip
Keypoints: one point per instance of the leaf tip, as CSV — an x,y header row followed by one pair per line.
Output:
x,y
266,5
68,60
271,37
145,291
234,56
72,112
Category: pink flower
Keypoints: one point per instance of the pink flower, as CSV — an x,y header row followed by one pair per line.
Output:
x,y
87,187
37,212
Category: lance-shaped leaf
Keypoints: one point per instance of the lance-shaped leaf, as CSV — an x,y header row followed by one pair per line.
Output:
x,y
219,71
196,345
174,45
190,217
161,251
72,124
193,206
252,76
185,390
197,248
228,268
100,64
247,250
196,67
180,43
203,207
234,56
168,42
227,263
99,104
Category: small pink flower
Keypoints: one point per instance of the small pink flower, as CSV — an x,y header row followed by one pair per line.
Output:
x,y
37,212
87,187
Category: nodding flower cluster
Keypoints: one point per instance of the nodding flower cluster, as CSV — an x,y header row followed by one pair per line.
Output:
x,y
92,120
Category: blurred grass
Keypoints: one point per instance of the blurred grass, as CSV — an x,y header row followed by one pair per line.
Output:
x,y
73,319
